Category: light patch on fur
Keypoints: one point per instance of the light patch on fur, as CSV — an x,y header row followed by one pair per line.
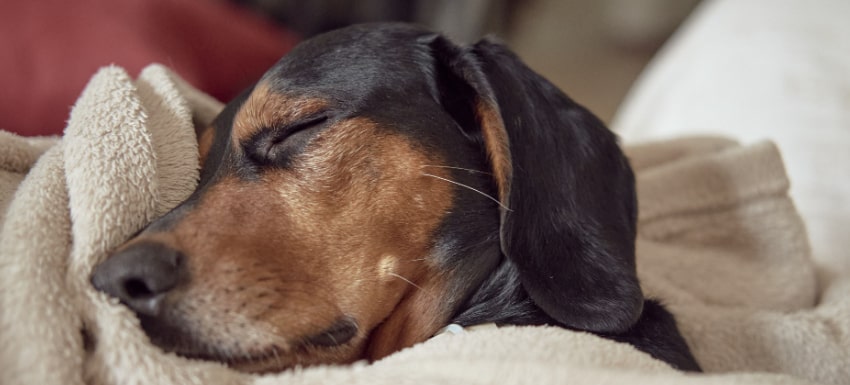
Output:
x,y
387,266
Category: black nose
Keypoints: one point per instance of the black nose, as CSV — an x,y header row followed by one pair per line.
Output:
x,y
141,275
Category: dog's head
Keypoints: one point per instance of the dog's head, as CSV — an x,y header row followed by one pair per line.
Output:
x,y
353,199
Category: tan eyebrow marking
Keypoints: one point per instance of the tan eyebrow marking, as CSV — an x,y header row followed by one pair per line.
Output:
x,y
266,108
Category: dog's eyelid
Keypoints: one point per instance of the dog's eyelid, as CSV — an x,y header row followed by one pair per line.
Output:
x,y
282,131
270,145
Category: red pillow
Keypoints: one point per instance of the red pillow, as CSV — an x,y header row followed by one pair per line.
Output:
x,y
52,47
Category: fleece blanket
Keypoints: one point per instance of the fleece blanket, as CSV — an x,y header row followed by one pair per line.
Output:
x,y
719,242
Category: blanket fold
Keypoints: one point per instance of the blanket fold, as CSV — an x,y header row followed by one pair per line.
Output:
x,y
719,242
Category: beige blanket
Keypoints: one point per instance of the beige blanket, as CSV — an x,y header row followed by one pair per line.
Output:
x,y
719,242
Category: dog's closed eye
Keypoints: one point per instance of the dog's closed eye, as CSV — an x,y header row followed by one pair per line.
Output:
x,y
341,213
275,146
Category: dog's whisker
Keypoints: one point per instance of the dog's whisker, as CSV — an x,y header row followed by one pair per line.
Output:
x,y
457,168
405,280
331,336
276,356
470,188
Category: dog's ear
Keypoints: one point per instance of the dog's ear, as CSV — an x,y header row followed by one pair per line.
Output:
x,y
569,207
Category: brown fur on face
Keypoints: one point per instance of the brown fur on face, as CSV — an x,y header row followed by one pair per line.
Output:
x,y
342,233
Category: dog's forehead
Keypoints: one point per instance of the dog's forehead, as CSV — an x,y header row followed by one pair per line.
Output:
x,y
352,63
384,74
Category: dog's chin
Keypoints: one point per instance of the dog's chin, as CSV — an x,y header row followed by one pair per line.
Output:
x,y
273,359
266,365
337,344
266,360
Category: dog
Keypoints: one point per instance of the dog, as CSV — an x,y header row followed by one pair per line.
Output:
x,y
377,184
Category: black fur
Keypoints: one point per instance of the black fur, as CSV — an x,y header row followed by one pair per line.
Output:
x,y
570,229
563,253
568,235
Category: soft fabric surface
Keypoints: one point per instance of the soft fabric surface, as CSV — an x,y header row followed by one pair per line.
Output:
x,y
755,70
719,241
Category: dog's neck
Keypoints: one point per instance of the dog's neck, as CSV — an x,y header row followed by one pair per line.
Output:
x,y
501,299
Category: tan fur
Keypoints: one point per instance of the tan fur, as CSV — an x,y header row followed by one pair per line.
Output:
x,y
415,319
205,142
265,108
497,143
338,233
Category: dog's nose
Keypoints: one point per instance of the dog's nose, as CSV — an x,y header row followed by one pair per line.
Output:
x,y
141,275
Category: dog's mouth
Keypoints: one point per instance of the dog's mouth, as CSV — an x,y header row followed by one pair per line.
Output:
x,y
313,349
269,359
340,332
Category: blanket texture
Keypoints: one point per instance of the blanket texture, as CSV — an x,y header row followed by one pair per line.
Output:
x,y
719,242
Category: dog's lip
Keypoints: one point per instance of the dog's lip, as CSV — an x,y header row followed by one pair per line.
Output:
x,y
271,357
263,359
268,359
175,340
340,332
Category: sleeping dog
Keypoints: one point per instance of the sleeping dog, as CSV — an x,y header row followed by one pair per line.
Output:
x,y
378,183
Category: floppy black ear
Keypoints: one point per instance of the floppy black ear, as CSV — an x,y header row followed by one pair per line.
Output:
x,y
569,226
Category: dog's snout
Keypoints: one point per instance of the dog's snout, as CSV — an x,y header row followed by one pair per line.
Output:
x,y
141,276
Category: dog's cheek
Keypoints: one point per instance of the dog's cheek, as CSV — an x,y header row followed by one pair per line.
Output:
x,y
415,319
405,209
247,268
